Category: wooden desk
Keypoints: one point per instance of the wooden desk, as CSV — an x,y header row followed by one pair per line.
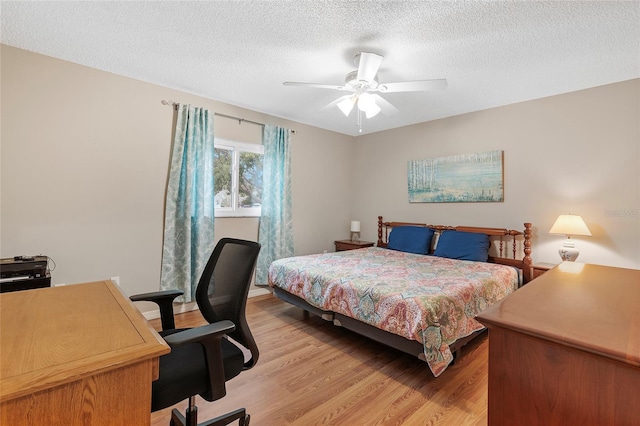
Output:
x,y
565,349
78,354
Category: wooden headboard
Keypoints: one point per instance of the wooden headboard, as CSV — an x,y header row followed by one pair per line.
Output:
x,y
507,242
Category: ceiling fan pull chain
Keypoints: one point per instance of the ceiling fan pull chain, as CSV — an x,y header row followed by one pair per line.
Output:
x,y
359,121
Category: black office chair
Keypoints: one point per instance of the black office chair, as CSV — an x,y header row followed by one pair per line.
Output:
x,y
202,359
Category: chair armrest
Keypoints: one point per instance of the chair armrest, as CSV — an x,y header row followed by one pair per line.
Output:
x,y
154,295
200,334
164,300
210,337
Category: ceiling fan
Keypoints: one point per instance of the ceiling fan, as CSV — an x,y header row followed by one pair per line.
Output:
x,y
363,85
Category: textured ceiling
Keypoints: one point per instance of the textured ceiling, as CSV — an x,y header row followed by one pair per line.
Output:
x,y
240,52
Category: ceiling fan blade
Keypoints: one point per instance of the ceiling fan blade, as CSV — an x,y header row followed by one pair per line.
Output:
x,y
413,86
314,85
385,105
368,66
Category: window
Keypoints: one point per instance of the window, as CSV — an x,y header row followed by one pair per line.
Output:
x,y
238,178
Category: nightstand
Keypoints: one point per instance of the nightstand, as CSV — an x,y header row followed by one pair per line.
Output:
x,y
343,245
541,268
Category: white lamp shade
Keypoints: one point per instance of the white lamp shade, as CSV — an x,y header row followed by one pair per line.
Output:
x,y
372,110
365,101
355,226
367,104
570,224
346,105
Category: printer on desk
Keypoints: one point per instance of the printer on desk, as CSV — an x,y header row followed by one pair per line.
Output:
x,y
24,273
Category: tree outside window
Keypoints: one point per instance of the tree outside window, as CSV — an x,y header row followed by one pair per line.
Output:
x,y
238,178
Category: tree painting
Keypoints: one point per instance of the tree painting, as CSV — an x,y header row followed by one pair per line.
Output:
x,y
458,178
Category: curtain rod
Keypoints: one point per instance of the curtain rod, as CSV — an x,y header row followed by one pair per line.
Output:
x,y
240,119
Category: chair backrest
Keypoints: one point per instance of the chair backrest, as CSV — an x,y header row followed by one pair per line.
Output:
x,y
223,288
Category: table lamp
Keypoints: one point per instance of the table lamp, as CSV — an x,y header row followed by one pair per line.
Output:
x,y
355,231
569,224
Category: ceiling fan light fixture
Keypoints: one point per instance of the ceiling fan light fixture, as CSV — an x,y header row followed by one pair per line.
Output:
x,y
346,105
365,100
367,104
372,110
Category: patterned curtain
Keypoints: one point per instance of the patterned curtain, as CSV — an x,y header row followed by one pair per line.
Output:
x,y
276,223
189,215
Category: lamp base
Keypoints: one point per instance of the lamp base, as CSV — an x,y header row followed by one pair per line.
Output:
x,y
568,251
355,237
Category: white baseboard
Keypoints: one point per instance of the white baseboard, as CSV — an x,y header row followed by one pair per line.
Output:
x,y
193,306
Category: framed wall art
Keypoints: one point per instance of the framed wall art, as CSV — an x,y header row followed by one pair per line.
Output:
x,y
468,178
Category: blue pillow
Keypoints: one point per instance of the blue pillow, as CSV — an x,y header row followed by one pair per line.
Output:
x,y
410,239
463,245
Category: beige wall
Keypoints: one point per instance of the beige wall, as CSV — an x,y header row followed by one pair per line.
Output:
x,y
84,157
572,153
84,160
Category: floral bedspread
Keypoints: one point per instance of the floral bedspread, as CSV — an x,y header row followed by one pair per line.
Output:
x,y
429,299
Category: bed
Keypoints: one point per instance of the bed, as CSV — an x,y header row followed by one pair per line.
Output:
x,y
418,290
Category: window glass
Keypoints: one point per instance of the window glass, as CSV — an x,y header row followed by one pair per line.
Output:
x,y
250,180
238,178
222,170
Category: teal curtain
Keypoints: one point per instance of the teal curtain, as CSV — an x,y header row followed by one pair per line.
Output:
x,y
189,210
276,224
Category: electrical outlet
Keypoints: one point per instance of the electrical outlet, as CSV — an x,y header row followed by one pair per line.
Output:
x,y
116,280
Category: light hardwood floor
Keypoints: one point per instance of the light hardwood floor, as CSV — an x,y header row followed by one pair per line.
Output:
x,y
311,372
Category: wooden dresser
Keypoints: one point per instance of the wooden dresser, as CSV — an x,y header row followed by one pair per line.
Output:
x,y
76,355
565,349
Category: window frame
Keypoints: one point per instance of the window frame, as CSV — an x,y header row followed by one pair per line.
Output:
x,y
236,149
